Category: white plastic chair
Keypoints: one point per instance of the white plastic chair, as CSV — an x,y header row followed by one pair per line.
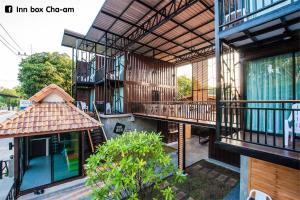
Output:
x,y
258,195
84,107
108,108
288,131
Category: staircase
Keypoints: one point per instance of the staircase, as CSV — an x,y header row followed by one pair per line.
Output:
x,y
96,136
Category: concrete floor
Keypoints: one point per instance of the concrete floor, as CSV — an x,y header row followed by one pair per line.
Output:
x,y
38,167
194,151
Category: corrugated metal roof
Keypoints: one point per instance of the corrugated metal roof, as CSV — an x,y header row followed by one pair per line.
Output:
x,y
190,27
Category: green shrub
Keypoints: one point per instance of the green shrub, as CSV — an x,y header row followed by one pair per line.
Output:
x,y
134,166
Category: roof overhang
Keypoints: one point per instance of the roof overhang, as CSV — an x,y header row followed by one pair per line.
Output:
x,y
173,31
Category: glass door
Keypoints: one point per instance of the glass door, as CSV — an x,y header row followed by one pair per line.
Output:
x,y
66,159
35,162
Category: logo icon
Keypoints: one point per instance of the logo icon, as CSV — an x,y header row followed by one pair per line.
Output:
x,y
8,9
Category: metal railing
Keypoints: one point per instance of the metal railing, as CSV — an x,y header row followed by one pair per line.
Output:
x,y
84,77
235,12
111,74
269,123
3,168
12,194
192,110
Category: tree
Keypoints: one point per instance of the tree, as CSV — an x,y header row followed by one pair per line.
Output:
x,y
184,86
42,69
9,101
133,164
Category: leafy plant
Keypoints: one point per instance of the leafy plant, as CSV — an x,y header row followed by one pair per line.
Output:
x,y
42,69
132,166
184,86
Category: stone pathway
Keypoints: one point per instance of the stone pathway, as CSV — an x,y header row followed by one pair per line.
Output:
x,y
211,174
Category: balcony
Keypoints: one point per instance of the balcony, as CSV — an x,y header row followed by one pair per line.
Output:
x,y
243,22
84,73
183,111
271,128
111,75
268,128
235,12
84,78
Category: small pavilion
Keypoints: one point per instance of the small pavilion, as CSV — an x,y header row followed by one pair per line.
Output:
x,y
51,138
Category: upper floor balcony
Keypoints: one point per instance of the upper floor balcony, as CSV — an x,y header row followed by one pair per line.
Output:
x,y
259,128
235,12
242,22
84,74
112,74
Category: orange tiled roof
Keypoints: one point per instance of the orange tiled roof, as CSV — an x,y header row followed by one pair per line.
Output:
x,y
47,117
51,89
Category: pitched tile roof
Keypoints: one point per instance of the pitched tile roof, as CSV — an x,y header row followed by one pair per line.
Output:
x,y
51,89
47,117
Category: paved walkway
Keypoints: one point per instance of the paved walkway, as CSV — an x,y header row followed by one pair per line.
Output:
x,y
194,150
5,153
74,190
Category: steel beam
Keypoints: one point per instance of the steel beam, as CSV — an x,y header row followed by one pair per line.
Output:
x,y
173,20
127,40
170,10
145,30
178,36
203,52
218,71
201,25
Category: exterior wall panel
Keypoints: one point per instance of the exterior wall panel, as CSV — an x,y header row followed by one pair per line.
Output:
x,y
144,75
278,181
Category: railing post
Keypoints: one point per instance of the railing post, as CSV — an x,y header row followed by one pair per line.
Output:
x,y
1,172
218,70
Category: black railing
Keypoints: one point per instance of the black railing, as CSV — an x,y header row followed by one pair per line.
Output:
x,y
12,194
4,171
192,110
235,12
269,123
111,74
99,75
3,168
84,77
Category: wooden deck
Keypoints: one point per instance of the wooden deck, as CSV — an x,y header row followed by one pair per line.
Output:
x,y
266,151
262,139
208,124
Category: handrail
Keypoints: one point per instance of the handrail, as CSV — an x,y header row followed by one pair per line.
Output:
x,y
12,192
260,101
161,102
251,13
98,116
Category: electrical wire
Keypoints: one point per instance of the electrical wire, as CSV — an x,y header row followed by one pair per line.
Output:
x,y
9,43
8,47
11,38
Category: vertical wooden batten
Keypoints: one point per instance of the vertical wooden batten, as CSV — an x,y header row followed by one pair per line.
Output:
x,y
181,146
91,141
278,181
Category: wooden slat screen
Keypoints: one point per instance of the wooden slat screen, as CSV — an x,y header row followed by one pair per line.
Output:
x,y
181,149
144,75
200,80
278,181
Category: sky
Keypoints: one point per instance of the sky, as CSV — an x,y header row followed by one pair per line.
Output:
x,y
41,31
185,70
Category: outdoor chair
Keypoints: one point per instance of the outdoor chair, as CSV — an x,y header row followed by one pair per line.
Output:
x,y
288,130
84,107
258,195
